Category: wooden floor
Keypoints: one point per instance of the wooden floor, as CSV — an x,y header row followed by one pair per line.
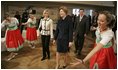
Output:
x,y
31,58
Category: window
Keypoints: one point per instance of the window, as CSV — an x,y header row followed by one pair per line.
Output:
x,y
75,11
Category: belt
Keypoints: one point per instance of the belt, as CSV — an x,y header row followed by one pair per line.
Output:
x,y
45,30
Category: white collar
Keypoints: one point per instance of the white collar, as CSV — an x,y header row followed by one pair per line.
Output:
x,y
47,19
64,17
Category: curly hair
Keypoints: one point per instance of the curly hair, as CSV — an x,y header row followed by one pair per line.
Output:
x,y
109,18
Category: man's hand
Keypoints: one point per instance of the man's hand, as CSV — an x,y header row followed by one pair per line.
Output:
x,y
84,35
70,44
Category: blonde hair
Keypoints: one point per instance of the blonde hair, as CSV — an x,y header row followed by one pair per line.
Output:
x,y
46,10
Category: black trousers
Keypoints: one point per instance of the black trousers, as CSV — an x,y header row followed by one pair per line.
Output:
x,y
93,34
21,28
45,45
79,42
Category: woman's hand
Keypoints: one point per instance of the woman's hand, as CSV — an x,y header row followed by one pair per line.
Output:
x,y
75,64
70,44
79,61
53,42
23,24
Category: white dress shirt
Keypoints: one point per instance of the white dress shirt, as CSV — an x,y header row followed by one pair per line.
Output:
x,y
80,18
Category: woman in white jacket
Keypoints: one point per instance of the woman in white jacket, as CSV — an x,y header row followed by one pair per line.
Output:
x,y
46,26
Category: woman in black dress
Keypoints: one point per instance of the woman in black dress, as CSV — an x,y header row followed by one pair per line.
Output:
x,y
63,35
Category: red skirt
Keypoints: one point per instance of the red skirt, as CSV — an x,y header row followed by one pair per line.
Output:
x,y
31,34
105,59
14,40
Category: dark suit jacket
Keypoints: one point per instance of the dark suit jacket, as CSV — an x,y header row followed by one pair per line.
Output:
x,y
94,21
64,29
81,27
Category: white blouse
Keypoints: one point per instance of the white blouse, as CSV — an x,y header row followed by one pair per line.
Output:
x,y
104,37
31,22
47,27
12,24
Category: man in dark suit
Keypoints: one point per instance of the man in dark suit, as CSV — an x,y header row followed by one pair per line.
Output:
x,y
17,15
81,28
25,17
94,23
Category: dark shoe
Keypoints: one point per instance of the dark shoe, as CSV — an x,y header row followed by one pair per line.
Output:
x,y
49,57
75,51
57,67
79,53
64,66
43,59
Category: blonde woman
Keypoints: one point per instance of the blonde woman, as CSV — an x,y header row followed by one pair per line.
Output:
x,y
46,26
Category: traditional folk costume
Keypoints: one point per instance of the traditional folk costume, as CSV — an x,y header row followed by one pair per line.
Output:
x,y
104,58
14,39
31,34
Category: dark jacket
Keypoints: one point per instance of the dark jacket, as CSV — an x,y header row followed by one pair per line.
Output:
x,y
94,21
18,17
64,29
81,27
25,17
